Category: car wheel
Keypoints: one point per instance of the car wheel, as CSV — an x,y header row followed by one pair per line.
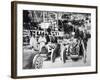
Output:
x,y
37,62
75,59
64,57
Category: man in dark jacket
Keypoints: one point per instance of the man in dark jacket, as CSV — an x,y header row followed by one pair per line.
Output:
x,y
47,38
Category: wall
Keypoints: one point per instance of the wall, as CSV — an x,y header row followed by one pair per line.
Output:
x,y
5,40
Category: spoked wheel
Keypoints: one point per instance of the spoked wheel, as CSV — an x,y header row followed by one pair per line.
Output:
x,y
37,62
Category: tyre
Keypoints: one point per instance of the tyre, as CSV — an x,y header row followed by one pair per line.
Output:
x,y
75,59
81,51
64,56
37,62
53,56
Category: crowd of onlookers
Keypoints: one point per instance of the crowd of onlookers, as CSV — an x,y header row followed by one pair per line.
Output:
x,y
41,40
73,29
37,43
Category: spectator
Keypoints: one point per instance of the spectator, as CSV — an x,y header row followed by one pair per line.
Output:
x,y
42,41
33,42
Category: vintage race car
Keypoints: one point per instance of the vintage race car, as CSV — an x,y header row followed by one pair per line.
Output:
x,y
51,50
32,59
74,50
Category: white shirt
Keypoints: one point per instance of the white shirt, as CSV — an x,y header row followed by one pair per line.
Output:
x,y
42,41
33,42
